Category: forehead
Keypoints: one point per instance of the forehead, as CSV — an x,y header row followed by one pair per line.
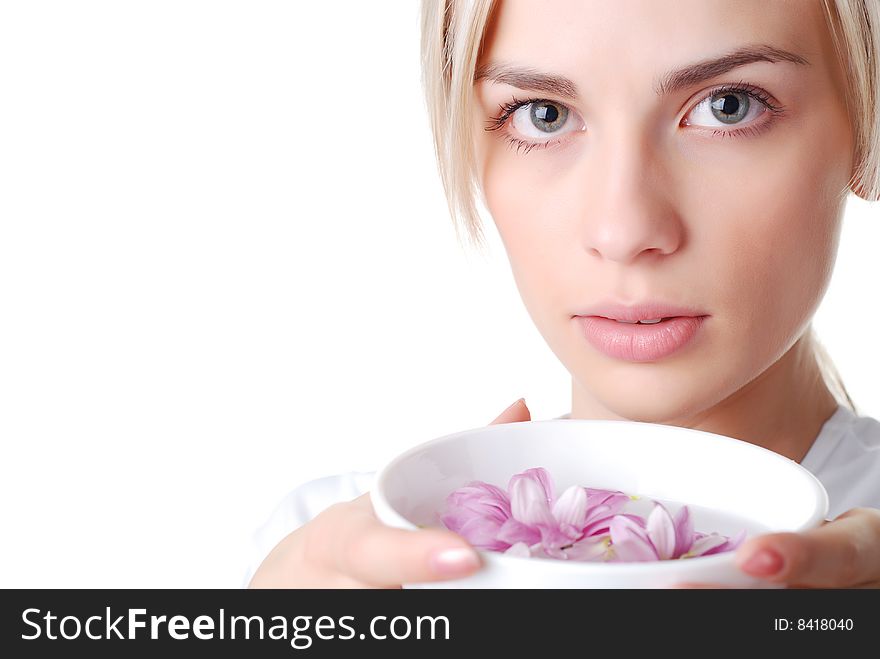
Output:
x,y
596,40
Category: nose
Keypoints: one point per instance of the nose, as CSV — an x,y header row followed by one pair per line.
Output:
x,y
630,213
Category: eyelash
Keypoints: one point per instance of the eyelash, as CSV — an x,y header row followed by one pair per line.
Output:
x,y
507,109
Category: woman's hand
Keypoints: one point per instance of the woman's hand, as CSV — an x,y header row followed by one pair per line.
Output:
x,y
346,546
843,553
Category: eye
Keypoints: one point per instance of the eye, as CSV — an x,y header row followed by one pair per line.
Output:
x,y
739,106
541,119
735,106
535,119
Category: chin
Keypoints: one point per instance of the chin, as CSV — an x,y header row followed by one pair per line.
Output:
x,y
652,393
657,411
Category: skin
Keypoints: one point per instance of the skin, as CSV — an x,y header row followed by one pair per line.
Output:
x,y
346,546
633,204
637,206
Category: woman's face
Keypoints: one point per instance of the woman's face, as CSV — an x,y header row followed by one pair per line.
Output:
x,y
688,196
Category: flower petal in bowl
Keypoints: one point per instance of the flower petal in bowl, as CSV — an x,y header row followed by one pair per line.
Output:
x,y
729,485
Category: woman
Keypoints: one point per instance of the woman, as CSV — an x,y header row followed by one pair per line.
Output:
x,y
670,195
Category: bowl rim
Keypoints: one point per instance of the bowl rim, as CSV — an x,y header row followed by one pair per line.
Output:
x,y
389,515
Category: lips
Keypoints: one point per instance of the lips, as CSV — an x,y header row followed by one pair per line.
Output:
x,y
637,342
647,310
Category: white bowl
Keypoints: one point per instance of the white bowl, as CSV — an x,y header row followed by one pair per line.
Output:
x,y
728,484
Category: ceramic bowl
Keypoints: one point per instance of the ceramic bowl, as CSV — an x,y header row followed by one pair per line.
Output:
x,y
727,484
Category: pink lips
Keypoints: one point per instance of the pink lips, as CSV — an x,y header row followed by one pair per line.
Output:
x,y
638,342
641,311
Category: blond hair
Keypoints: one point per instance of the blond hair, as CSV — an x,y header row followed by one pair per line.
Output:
x,y
451,38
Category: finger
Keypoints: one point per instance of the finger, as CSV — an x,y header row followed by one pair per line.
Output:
x,y
516,412
842,553
369,551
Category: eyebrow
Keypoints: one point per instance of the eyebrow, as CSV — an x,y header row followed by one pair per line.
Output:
x,y
533,80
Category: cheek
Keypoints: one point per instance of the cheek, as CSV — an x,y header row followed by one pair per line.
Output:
x,y
532,199
535,202
531,232
772,231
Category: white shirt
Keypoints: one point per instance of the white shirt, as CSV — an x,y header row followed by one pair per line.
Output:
x,y
845,457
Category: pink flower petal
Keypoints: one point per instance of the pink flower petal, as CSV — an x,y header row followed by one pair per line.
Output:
x,y
707,544
589,549
476,512
614,499
684,531
661,531
630,542
601,526
598,526
571,507
538,475
528,503
520,549
481,533
554,537
581,524
729,545
482,497
513,531
736,540
598,508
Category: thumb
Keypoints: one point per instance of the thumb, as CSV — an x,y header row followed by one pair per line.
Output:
x,y
516,412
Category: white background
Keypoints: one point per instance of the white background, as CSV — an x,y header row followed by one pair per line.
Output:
x,y
226,268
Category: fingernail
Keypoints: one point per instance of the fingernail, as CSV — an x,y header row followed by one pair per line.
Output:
x,y
450,562
514,404
764,563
